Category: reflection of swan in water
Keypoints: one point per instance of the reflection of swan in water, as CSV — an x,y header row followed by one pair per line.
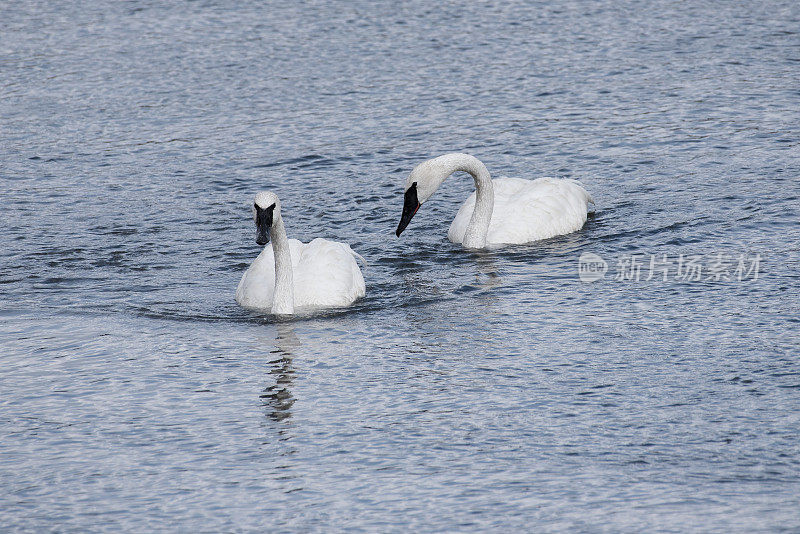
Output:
x,y
278,397
458,301
486,267
486,277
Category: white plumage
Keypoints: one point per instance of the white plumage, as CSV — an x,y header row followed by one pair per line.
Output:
x,y
325,275
528,210
502,211
315,275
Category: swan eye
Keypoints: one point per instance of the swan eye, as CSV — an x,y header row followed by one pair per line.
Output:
x,y
257,208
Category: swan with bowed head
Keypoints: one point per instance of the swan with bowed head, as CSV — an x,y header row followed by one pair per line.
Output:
x,y
503,211
289,274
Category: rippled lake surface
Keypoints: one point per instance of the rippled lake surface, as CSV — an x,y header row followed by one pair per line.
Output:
x,y
468,391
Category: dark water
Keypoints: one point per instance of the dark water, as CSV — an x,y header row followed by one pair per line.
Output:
x,y
467,391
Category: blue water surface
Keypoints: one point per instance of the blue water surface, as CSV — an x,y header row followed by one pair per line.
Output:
x,y
469,391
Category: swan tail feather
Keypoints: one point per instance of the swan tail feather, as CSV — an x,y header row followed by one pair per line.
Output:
x,y
589,200
356,255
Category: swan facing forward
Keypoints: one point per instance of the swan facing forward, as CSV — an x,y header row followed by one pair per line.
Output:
x,y
502,211
289,274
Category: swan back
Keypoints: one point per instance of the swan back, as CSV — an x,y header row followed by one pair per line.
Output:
x,y
325,275
528,210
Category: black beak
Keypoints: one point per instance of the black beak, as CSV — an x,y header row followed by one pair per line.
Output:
x,y
263,223
410,207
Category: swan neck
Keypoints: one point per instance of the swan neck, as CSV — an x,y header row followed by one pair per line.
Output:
x,y
283,297
478,227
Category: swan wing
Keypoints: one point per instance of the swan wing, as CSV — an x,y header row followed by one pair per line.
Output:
x,y
326,275
257,285
528,210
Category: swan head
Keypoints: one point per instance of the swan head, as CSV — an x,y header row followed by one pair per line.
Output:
x,y
421,184
426,178
266,209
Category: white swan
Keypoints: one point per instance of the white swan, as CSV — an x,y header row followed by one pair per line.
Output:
x,y
320,274
502,211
